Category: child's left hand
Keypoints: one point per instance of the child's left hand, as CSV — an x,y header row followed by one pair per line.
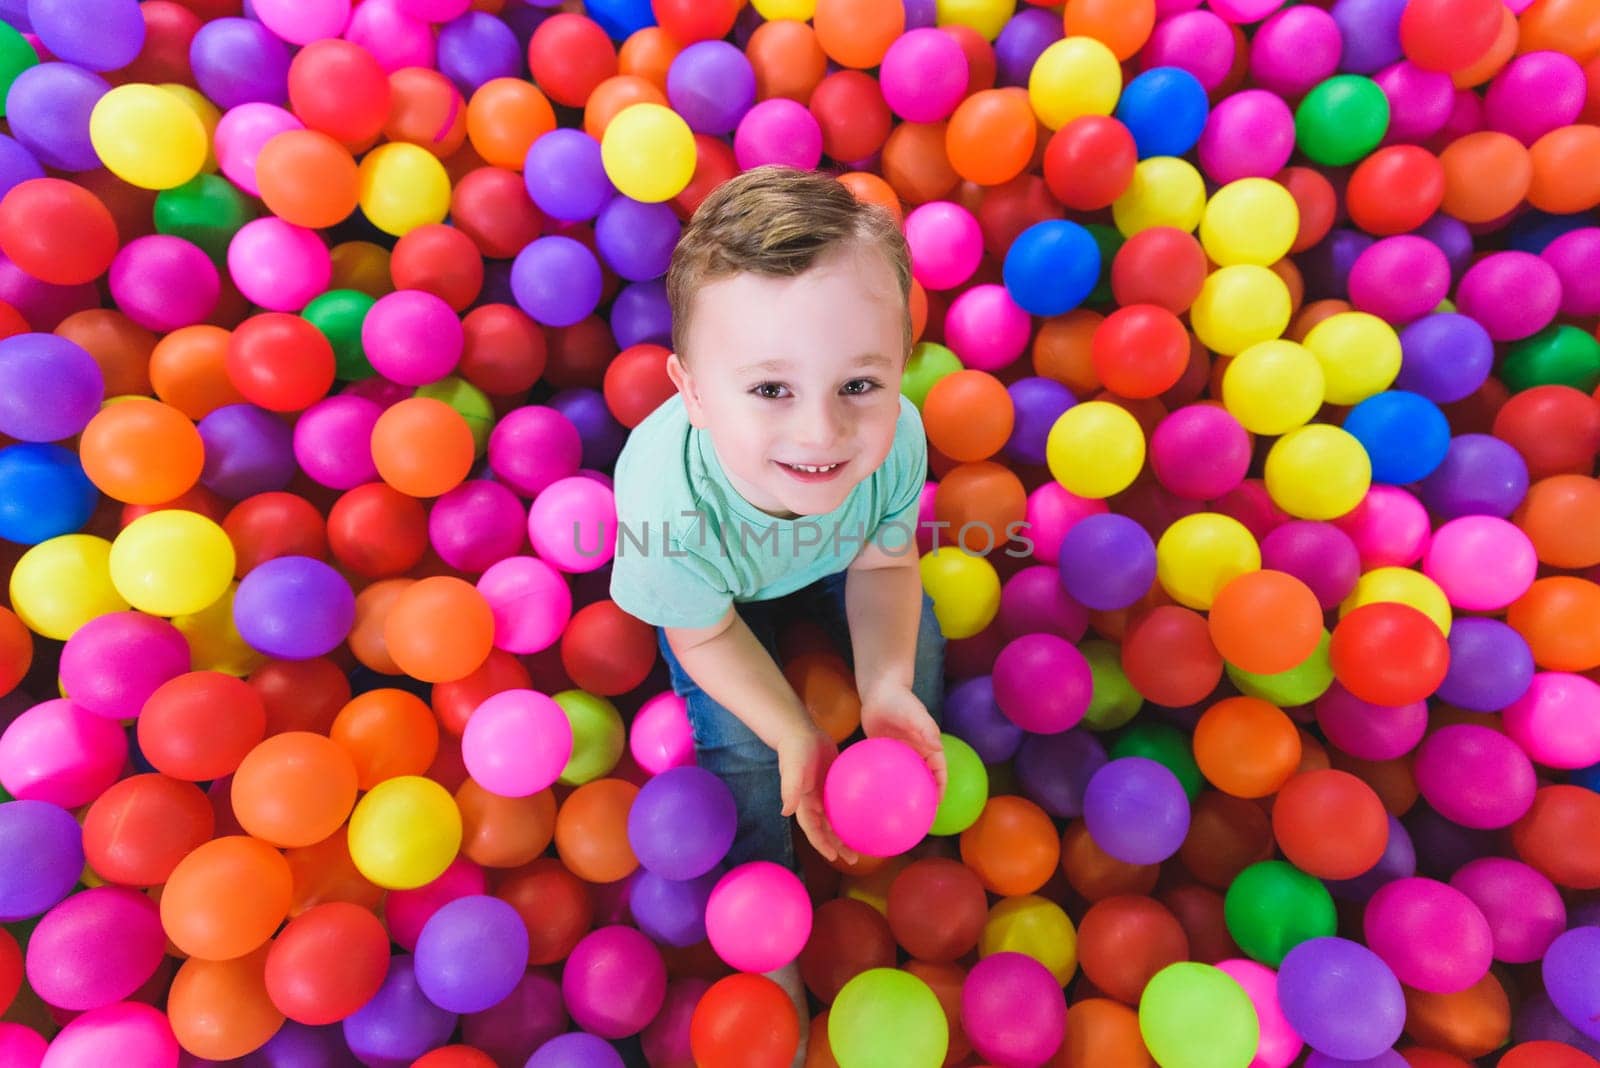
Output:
x,y
897,713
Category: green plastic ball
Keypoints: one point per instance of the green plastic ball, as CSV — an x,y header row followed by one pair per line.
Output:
x,y
929,362
1558,355
206,211
1271,907
967,790
1341,120
887,1018
1109,240
338,314
597,736
1300,685
1115,701
1193,1015
16,56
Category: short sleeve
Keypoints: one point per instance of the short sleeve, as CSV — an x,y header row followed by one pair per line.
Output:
x,y
906,470
665,586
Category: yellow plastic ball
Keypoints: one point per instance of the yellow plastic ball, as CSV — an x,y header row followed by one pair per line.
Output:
x,y
403,186
1252,220
1240,306
1273,387
1200,554
772,10
62,583
405,832
1318,472
172,562
965,590
1164,191
648,153
1095,449
1072,78
988,17
208,114
1036,927
147,136
1401,585
1359,353
214,640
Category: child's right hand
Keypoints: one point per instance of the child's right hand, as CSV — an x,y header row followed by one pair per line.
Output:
x,y
803,761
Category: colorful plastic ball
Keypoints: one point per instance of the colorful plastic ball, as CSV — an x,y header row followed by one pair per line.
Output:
x,y
95,948
659,738
1240,306
946,244
1251,220
48,108
57,231
1140,351
1481,475
1051,267
1405,435
565,175
327,962
516,743
1012,1010
1136,785
924,75
1524,910
1036,404
573,524
399,1023
740,1019
1551,720
965,590
1490,666
1200,554
57,752
778,131
530,602
1089,162
1430,934
1389,654
1074,77
1444,357
1341,120
1571,255
880,797
1107,562
112,664
711,84
1486,294
1561,355
52,386
61,584
682,823
1095,450
412,337
1399,279
1164,191
1482,563
242,134
758,917
43,845
471,953
614,982
404,832
171,563
1165,110
1318,472
1249,134
128,1029
1273,387
293,608
1192,1015
1200,452
1341,998
1271,907
1279,1045
1447,35
888,1016
1313,802
403,186
226,898
556,280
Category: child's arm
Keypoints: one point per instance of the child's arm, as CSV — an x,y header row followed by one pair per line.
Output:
x,y
883,600
731,666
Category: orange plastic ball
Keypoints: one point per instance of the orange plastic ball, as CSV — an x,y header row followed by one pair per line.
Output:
x,y
592,831
141,451
1330,824
294,789
1265,622
226,898
439,629
968,415
1246,747
422,447
1013,846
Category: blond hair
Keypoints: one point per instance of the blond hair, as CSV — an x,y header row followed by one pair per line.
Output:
x,y
778,221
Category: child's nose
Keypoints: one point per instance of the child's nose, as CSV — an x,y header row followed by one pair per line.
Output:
x,y
820,425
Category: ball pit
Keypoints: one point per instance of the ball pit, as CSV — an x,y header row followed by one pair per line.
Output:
x,y
1270,736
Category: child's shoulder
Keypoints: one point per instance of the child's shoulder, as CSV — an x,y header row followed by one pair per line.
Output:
x,y
654,449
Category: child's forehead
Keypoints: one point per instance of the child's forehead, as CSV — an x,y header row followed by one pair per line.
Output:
x,y
830,308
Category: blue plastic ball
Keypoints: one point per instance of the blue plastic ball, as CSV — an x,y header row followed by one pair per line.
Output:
x,y
43,493
1405,434
1052,267
1165,109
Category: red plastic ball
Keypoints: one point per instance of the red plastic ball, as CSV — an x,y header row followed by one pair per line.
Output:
x,y
606,651
1389,654
57,231
491,205
280,362
1395,190
169,29
377,532
503,350
1140,351
270,525
855,120
569,55
636,383
1163,266
441,260
339,88
689,21
1089,162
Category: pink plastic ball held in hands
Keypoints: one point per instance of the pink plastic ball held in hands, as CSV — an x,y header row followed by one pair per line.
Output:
x,y
880,797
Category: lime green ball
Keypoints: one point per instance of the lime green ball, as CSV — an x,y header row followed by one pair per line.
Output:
x,y
470,402
1166,745
1558,355
338,314
967,790
1341,120
1193,1015
206,211
887,1018
597,736
1271,907
929,362
1300,685
1115,701
1109,239
16,56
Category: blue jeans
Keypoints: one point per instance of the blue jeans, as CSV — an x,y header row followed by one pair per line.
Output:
x,y
730,750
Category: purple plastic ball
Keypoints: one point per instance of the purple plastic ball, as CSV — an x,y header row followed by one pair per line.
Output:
x,y
711,84
565,176
556,280
641,313
1341,998
297,1046
1481,475
294,608
97,34
1021,41
471,953
41,850
672,911
248,450
1444,357
576,1049
971,714
1136,810
1513,294
1453,237
601,434
1370,30
1107,561
531,1015
477,47
1569,968
399,1024
1537,1018
682,823
1054,769
1399,279
1442,846
239,61
1326,265
48,108
1490,666
50,387
1037,403
636,240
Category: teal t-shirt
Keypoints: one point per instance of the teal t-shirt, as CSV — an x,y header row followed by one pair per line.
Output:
x,y
689,546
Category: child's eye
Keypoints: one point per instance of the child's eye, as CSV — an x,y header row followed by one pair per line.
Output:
x,y
857,387
769,391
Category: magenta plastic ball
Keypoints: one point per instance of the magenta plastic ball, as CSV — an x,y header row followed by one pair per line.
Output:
x,y
1475,776
1390,528
21,1045
1535,93
163,282
1482,563
58,752
113,663
1052,511
333,441
1524,909
614,982
516,743
1249,134
660,738
125,1032
1033,600
1196,41
95,948
407,911
531,603
412,337
1200,452
532,1015
924,75
278,265
1399,278
1042,683
1294,50
1318,554
779,131
533,446
394,38
1430,935
1013,1009
1557,722
880,797
666,1040
1279,1045
759,917
986,328
945,240
477,524
241,134
1512,294
573,524
1420,101
1576,257
1367,731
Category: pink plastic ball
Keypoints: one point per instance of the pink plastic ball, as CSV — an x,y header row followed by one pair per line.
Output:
x,y
781,131
534,446
240,135
1420,101
279,265
1557,721
1042,683
1033,600
924,75
1389,528
986,328
1294,50
530,601
1279,1044
477,524
573,524
406,911
163,282
435,10
1367,731
758,917
1481,562
1575,255
1535,93
1013,1009
1466,116
113,663
1319,554
128,1032
412,337
1430,935
333,441
1400,278
880,797
946,243
1052,511
666,1040
1475,776
394,38
1512,294
21,1046
614,982
1524,909
58,752
1200,452
516,743
95,948
1197,41
660,737
303,21
1244,10
1247,135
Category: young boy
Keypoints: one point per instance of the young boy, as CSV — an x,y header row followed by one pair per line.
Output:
x,y
784,477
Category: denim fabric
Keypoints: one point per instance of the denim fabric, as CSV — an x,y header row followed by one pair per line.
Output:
x,y
732,751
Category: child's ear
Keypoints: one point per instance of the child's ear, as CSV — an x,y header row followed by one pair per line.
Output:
x,y
684,381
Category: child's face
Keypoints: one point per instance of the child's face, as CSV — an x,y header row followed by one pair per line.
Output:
x,y
797,380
